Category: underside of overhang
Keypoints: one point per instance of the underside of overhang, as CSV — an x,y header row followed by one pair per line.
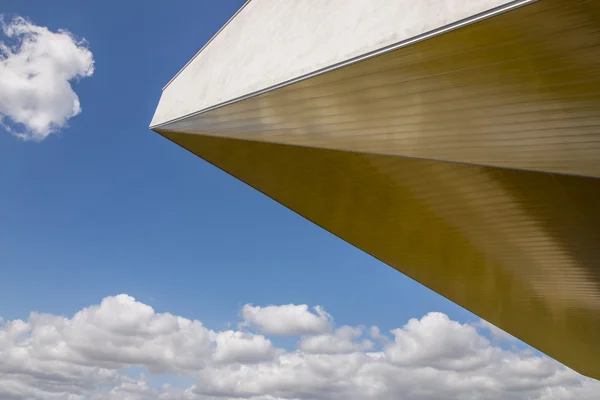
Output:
x,y
468,161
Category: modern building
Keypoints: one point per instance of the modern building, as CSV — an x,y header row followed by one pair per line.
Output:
x,y
458,141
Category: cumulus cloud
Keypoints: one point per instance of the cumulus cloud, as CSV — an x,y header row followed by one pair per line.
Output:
x,y
84,357
437,341
37,67
343,340
287,320
497,333
242,347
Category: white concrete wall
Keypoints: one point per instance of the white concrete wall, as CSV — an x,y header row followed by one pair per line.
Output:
x,y
273,41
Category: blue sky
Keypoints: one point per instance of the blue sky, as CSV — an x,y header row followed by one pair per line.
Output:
x,y
107,206
104,207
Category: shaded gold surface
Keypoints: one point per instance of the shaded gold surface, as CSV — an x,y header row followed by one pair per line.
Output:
x,y
518,248
348,150
519,90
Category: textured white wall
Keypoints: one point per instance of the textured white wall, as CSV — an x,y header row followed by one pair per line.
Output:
x,y
272,41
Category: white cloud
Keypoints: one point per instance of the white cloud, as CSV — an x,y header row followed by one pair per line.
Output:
x,y
343,340
437,341
497,333
288,319
82,357
242,347
378,336
37,67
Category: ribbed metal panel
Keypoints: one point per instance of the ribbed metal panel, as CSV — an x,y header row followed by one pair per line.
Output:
x,y
518,248
519,90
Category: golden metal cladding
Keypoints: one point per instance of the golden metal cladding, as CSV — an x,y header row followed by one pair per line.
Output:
x,y
518,248
454,160
519,90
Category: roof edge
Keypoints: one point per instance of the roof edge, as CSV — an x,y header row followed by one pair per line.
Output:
x,y
205,45
404,43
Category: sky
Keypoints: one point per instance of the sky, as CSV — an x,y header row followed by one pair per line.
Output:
x,y
132,269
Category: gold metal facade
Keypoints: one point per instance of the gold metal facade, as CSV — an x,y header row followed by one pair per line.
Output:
x,y
469,161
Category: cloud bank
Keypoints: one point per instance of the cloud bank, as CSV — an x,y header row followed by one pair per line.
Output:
x,y
37,67
85,356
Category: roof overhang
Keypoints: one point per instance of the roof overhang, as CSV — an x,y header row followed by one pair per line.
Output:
x,y
456,141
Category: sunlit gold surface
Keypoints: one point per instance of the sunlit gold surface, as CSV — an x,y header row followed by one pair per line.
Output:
x,y
520,90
